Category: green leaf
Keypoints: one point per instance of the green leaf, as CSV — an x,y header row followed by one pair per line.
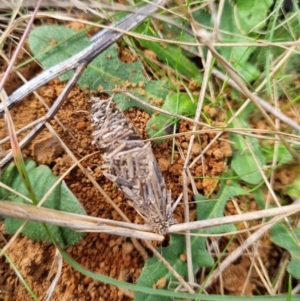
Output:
x,y
174,31
160,124
250,14
237,56
259,197
281,30
154,270
282,236
283,155
242,161
293,189
212,208
54,44
61,198
171,55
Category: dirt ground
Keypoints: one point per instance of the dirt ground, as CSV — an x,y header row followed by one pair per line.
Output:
x,y
109,255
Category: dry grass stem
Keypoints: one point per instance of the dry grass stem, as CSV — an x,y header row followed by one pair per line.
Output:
x,y
239,251
280,212
76,221
86,223
58,261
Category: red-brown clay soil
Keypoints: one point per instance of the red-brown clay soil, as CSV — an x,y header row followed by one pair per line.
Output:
x,y
107,254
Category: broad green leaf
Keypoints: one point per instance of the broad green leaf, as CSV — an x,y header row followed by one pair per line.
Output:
x,y
54,44
250,14
154,271
242,161
171,55
61,198
280,31
175,32
259,197
283,155
180,103
282,236
212,208
160,124
237,56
